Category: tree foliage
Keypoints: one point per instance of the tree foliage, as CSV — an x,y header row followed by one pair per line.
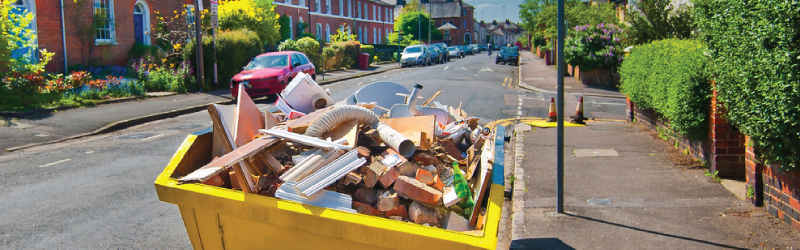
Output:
x,y
756,63
410,23
656,20
542,16
255,15
285,27
21,73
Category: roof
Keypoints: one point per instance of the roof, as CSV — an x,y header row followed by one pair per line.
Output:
x,y
447,26
392,2
444,9
466,5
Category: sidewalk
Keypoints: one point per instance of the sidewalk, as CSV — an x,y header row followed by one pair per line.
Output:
x,y
74,123
648,197
536,76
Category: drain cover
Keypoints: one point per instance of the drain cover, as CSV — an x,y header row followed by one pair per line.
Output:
x,y
588,153
185,127
135,136
599,201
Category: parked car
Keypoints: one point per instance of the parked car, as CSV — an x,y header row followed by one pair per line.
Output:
x,y
482,47
443,47
475,49
467,50
415,55
269,73
508,55
437,55
454,52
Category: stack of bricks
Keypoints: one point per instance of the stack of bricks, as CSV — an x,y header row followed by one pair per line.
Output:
x,y
779,190
727,144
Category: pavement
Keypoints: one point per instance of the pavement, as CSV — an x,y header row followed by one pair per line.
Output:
x,y
20,133
640,199
536,76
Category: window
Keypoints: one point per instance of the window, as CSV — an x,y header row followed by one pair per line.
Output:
x,y
327,33
360,34
328,6
303,59
341,29
349,31
366,11
341,8
103,11
291,28
303,3
316,7
374,37
464,24
349,9
374,17
296,59
463,12
319,31
379,14
446,34
359,11
380,38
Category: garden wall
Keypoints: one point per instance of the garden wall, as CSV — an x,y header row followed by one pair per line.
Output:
x,y
777,191
723,149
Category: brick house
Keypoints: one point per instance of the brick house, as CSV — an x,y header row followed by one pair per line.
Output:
x,y
457,13
503,33
371,20
122,24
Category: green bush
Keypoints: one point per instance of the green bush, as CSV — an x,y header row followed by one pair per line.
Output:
x,y
310,47
350,51
670,77
333,57
369,49
594,47
256,15
140,50
756,56
538,39
235,49
288,45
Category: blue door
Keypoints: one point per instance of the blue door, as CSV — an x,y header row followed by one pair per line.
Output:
x,y
138,23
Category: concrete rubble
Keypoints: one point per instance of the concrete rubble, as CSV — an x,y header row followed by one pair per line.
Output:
x,y
413,164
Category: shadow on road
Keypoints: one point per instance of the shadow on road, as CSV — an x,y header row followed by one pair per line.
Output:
x,y
654,232
541,243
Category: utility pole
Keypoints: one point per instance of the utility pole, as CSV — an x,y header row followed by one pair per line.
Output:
x,y
430,18
504,12
560,110
199,42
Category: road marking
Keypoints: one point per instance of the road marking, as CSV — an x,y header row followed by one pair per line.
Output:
x,y
54,163
153,137
445,68
486,69
374,79
360,83
89,152
384,76
395,74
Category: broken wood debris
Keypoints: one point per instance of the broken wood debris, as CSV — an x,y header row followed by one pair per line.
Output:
x,y
408,167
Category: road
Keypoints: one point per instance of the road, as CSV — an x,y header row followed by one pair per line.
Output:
x,y
97,192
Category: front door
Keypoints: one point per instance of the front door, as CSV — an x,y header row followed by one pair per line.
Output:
x,y
138,28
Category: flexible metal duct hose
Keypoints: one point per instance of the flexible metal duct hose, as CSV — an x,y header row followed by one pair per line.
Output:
x,y
339,115
342,114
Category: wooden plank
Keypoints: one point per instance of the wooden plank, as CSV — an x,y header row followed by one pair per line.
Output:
x,y
269,120
272,163
438,92
248,119
300,125
230,159
481,191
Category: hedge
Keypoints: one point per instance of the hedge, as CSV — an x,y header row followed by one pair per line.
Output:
x,y
234,50
756,58
351,50
670,77
369,49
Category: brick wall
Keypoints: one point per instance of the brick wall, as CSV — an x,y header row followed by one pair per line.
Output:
x,y
599,77
777,191
648,118
727,144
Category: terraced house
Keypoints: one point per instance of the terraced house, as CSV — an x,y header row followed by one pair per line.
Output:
x,y
456,13
371,20
65,27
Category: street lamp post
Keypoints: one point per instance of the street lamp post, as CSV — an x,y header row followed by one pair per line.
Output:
x,y
504,12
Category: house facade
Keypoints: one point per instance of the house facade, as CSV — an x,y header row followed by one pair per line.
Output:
x,y
457,13
61,28
503,33
371,20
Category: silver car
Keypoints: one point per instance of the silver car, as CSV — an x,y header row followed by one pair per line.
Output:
x,y
453,52
415,55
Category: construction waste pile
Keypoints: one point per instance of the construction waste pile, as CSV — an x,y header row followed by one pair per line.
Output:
x,y
376,153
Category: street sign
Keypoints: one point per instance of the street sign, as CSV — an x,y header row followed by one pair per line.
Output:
x,y
214,17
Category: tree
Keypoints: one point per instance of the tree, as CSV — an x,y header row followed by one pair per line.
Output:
x,y
343,35
413,6
541,15
411,22
255,15
24,69
393,39
285,27
657,20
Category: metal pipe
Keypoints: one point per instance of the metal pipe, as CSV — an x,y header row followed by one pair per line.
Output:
x,y
412,101
560,111
64,38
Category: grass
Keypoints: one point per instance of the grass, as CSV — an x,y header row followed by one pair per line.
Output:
x,y
12,102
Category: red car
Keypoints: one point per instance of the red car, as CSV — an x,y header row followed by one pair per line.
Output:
x,y
269,73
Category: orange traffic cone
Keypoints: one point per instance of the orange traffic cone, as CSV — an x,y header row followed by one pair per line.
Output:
x,y
578,118
552,116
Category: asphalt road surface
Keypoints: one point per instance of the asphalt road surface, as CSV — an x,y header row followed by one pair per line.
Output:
x,y
97,192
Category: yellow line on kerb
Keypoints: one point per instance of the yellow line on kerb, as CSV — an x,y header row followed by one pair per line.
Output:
x,y
509,121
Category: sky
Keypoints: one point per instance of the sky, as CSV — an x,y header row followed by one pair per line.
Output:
x,y
493,9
